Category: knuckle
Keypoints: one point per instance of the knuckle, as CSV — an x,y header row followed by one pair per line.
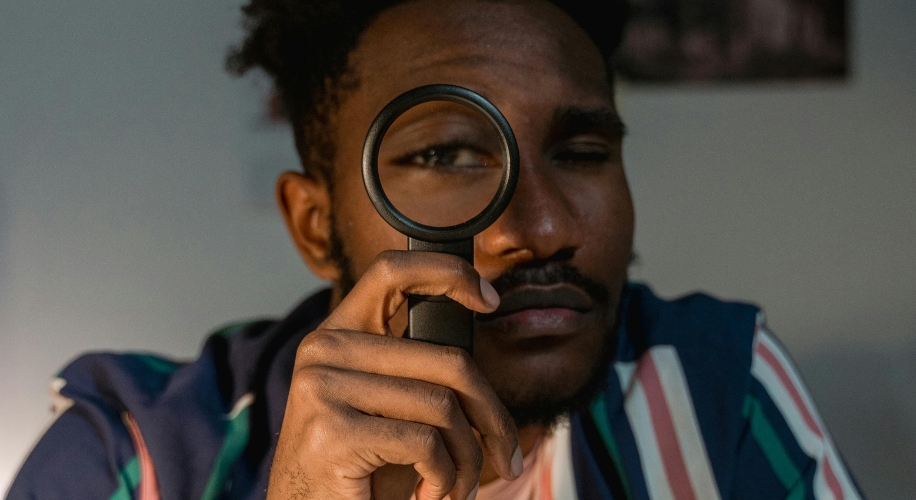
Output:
x,y
388,263
464,269
457,359
322,435
329,434
318,346
428,441
321,430
442,401
312,382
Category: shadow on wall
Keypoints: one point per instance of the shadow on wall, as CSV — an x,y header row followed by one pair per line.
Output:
x,y
872,416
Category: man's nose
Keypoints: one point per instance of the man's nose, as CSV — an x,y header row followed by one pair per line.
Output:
x,y
538,224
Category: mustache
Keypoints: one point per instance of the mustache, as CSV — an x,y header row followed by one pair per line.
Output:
x,y
551,273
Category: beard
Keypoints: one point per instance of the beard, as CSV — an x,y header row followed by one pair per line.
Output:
x,y
540,401
545,402
341,259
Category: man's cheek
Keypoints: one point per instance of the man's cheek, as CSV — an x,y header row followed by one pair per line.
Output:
x,y
368,235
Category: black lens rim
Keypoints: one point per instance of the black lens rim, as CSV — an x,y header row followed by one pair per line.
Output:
x,y
373,184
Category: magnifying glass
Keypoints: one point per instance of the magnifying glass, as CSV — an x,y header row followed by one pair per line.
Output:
x,y
440,164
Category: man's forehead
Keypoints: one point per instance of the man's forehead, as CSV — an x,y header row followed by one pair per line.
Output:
x,y
451,41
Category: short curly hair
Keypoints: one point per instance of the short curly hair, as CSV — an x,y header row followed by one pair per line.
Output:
x,y
303,45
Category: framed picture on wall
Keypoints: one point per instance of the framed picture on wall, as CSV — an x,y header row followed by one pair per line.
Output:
x,y
735,40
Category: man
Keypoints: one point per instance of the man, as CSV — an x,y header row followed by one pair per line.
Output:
x,y
581,384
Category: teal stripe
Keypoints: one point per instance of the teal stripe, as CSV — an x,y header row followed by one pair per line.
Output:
x,y
230,330
798,492
600,413
128,480
233,445
155,363
774,451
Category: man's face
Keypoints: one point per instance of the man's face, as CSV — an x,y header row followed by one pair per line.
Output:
x,y
559,254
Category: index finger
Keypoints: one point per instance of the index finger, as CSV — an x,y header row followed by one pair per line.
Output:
x,y
395,274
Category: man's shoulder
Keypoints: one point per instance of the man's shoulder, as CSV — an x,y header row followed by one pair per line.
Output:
x,y
115,414
120,378
231,363
192,419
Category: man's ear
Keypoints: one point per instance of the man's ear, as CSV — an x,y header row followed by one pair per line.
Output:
x,y
305,203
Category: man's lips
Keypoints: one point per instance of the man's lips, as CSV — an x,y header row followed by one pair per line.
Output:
x,y
528,297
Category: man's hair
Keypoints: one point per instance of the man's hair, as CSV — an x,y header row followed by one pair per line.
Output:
x,y
303,45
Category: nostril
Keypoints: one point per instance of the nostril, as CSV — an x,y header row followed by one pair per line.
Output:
x,y
563,254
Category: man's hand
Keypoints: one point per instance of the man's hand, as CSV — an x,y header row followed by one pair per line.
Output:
x,y
362,399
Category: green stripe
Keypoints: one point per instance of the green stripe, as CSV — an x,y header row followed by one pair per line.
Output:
x,y
797,492
232,329
599,413
128,480
774,451
233,445
155,363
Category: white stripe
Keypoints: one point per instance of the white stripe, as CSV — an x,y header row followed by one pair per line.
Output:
x,y
683,415
243,402
637,410
810,443
625,372
59,402
562,477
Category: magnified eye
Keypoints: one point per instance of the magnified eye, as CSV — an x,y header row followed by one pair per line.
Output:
x,y
452,156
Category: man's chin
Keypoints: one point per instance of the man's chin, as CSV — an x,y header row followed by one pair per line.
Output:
x,y
542,391
542,407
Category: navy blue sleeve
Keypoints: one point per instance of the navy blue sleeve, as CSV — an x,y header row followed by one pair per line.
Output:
x,y
86,453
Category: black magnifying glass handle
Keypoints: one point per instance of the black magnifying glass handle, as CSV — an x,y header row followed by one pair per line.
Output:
x,y
439,319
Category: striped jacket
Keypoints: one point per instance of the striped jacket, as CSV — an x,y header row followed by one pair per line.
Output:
x,y
702,403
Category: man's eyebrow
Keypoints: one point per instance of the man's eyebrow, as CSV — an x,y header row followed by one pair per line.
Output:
x,y
574,120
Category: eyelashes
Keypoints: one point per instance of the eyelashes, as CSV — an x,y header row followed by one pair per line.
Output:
x,y
574,156
450,156
460,156
589,155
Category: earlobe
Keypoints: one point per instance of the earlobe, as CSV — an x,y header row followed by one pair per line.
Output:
x,y
305,204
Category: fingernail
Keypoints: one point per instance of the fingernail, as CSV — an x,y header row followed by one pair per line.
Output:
x,y
489,293
473,494
518,463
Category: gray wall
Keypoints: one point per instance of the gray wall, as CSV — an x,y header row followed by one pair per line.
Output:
x,y
132,217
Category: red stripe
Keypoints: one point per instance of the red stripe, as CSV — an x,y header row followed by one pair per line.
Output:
x,y
767,355
546,486
149,485
831,479
777,367
668,444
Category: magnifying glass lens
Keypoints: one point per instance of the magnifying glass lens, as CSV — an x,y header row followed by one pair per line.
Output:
x,y
440,163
